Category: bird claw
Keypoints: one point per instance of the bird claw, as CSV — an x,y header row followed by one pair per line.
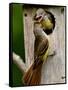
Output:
x,y
52,54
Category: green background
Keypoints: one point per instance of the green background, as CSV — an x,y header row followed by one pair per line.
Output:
x,y
17,40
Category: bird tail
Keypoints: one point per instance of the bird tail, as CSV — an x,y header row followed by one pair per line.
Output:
x,y
33,76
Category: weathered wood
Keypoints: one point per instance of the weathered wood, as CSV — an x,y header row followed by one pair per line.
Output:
x,y
53,69
28,36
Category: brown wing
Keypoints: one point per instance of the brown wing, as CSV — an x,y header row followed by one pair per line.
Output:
x,y
41,47
36,44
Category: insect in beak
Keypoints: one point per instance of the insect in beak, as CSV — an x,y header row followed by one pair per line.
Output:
x,y
38,18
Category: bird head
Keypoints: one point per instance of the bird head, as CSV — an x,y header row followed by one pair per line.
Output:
x,y
39,15
47,20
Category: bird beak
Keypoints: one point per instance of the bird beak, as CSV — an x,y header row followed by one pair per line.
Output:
x,y
37,17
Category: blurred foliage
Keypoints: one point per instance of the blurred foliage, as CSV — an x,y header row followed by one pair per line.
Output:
x,y
17,40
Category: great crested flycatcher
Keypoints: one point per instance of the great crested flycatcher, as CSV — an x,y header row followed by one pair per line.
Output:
x,y
33,74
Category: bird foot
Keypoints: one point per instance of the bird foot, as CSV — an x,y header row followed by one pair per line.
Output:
x,y
52,54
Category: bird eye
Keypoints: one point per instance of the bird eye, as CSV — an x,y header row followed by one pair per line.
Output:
x,y
41,13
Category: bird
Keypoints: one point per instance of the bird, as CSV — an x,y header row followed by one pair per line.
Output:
x,y
46,19
42,27
33,74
